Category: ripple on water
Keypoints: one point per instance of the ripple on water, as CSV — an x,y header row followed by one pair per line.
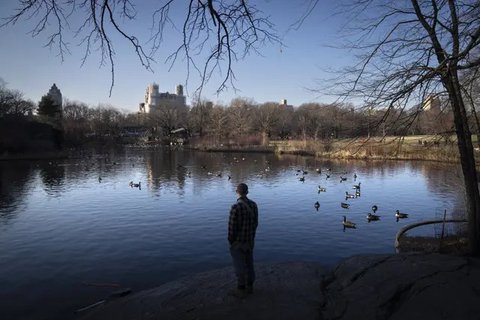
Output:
x,y
64,227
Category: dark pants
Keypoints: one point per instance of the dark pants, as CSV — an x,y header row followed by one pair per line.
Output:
x,y
243,265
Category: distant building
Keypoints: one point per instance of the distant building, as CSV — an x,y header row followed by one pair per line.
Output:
x,y
154,100
56,96
431,103
284,105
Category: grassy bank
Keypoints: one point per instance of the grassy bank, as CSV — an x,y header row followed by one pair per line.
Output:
x,y
234,148
390,148
430,148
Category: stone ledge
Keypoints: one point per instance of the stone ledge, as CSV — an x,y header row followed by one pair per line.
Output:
x,y
402,286
282,291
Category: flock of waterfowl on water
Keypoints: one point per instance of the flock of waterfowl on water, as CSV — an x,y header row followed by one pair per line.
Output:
x,y
371,216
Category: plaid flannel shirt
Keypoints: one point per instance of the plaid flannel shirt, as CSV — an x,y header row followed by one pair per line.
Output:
x,y
243,222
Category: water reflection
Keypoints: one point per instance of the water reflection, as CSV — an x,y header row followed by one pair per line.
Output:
x,y
78,219
167,166
15,179
53,176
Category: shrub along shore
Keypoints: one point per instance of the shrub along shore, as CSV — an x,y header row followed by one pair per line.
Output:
x,y
429,148
391,148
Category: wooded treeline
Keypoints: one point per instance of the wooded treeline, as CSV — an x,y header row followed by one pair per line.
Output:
x,y
242,121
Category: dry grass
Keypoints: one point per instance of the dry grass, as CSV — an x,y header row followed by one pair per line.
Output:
x,y
452,244
407,148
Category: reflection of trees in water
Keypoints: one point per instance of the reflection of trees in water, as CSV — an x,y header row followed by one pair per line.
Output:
x,y
167,166
170,167
107,164
53,176
347,168
440,178
443,179
173,168
15,178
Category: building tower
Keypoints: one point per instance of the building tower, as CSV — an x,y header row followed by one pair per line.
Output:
x,y
155,100
431,103
151,96
179,90
56,96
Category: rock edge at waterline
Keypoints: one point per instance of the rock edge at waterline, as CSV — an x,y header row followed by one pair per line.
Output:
x,y
403,286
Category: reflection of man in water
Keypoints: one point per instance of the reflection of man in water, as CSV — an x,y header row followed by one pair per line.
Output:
x,y
242,226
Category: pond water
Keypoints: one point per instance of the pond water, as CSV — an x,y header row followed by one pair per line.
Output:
x,y
68,224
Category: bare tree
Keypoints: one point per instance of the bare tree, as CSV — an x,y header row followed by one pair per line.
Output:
x,y
13,103
199,116
304,119
214,34
168,118
471,90
219,120
285,118
105,120
76,121
408,50
267,117
239,116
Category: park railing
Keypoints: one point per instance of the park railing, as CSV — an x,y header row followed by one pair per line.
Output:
x,y
418,244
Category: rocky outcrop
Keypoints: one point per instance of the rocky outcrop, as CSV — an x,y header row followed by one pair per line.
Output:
x,y
282,291
413,286
403,286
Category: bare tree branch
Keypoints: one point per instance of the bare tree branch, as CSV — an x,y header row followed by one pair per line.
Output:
x,y
215,33
408,51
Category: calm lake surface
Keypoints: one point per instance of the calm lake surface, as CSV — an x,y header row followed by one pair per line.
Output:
x,y
62,229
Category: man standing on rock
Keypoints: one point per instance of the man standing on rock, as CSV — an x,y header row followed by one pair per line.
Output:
x,y
242,226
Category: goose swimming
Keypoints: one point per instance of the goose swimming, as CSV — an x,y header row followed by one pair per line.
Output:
x,y
400,215
135,185
372,217
345,205
349,195
348,224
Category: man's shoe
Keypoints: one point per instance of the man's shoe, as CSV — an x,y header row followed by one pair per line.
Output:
x,y
238,293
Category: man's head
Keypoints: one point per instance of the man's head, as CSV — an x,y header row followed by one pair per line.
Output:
x,y
242,189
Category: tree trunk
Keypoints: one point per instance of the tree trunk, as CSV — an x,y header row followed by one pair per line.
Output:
x,y
477,122
467,159
265,139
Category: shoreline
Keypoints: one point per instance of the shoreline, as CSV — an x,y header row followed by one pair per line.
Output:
x,y
399,286
340,151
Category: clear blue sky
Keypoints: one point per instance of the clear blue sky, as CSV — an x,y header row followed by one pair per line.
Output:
x,y
281,73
